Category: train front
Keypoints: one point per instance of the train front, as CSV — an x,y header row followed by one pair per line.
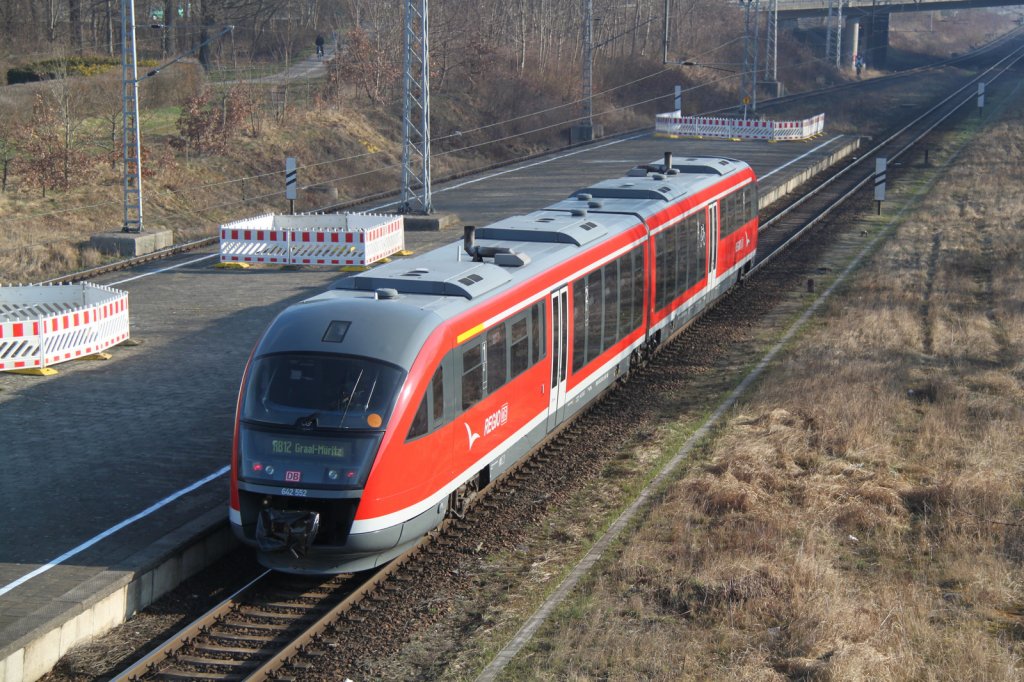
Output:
x,y
313,411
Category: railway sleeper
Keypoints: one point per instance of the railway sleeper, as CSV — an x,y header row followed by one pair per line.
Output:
x,y
264,627
260,640
229,650
230,665
186,675
284,618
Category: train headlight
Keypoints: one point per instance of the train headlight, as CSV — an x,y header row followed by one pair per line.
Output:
x,y
332,474
269,469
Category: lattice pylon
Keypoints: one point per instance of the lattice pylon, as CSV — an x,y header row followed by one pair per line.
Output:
x,y
834,32
416,110
748,85
771,45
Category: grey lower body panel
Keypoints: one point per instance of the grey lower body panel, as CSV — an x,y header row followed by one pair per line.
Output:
x,y
360,551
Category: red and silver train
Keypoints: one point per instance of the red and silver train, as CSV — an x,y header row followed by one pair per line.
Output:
x,y
370,411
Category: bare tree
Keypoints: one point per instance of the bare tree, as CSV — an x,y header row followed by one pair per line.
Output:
x,y
9,135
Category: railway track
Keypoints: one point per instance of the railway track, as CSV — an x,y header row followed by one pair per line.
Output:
x,y
786,226
283,627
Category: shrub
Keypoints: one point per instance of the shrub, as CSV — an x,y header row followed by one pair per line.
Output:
x,y
49,69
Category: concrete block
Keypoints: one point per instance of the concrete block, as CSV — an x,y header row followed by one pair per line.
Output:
x,y
165,577
41,655
130,244
13,667
193,559
68,636
108,612
431,223
140,593
84,625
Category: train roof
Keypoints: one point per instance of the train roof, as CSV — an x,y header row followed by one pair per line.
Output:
x,y
646,189
394,307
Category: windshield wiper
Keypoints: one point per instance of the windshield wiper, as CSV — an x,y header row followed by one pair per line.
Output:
x,y
351,396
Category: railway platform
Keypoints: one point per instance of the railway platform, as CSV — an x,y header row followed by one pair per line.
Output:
x,y
113,486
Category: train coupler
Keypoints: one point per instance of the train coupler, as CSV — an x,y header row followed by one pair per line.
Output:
x,y
292,530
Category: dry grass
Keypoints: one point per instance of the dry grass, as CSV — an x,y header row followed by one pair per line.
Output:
x,y
861,516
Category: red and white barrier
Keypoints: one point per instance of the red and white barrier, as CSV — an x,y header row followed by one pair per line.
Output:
x,y
42,325
673,124
312,239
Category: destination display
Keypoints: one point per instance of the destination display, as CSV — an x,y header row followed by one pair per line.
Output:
x,y
301,446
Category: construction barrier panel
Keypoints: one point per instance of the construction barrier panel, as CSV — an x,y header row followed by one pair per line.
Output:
x,y
312,239
42,325
673,124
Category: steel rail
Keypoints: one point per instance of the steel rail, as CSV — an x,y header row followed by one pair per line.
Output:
x,y
148,663
1000,68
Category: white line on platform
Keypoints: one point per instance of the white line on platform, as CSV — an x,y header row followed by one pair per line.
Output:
x,y
524,167
808,153
110,531
169,267
488,177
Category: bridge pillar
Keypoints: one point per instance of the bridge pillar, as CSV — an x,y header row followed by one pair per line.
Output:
x,y
850,41
876,40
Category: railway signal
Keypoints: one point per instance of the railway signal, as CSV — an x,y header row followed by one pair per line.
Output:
x,y
880,182
290,182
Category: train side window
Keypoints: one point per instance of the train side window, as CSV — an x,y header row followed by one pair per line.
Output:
x,y
520,345
626,298
638,288
594,322
724,213
660,278
672,257
611,305
497,369
682,259
698,249
579,322
433,401
472,374
537,333
437,389
419,422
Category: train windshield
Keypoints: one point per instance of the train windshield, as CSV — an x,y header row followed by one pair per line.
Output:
x,y
319,391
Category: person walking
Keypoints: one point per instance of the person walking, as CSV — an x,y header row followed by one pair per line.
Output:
x,y
319,46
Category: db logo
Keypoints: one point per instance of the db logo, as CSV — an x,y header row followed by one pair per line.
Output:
x,y
293,476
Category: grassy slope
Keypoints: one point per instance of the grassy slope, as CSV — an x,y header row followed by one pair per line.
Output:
x,y
848,529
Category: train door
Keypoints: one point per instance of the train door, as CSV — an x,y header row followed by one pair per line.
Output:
x,y
713,240
559,354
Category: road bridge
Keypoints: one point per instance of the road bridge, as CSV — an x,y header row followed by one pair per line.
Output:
x,y
865,23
